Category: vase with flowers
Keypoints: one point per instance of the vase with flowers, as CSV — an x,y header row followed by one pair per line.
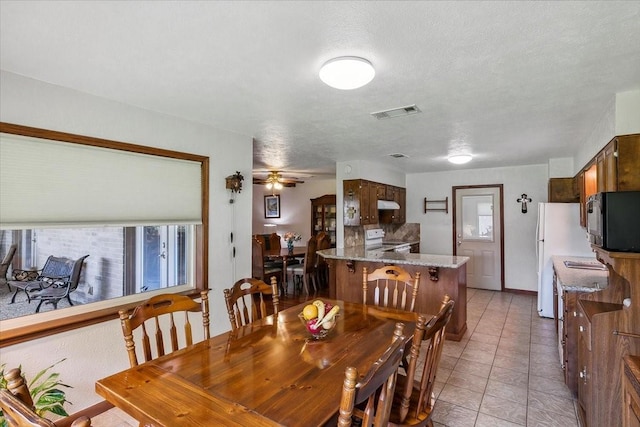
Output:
x,y
290,237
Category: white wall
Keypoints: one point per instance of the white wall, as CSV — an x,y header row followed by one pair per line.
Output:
x,y
519,228
603,131
628,112
295,208
96,351
621,116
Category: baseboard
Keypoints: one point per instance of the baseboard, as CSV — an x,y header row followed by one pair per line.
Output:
x,y
521,292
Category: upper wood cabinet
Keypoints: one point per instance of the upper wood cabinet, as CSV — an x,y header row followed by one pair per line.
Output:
x,y
618,164
563,190
361,202
352,213
615,168
627,162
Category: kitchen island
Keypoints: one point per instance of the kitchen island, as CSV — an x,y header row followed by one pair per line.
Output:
x,y
439,275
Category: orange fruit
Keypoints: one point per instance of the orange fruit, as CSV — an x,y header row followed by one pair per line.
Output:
x,y
310,311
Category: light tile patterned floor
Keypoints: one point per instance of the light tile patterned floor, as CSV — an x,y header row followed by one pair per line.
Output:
x,y
505,371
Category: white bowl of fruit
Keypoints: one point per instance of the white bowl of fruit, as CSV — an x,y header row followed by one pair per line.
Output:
x,y
319,318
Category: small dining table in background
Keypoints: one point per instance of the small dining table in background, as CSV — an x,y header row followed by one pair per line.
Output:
x,y
266,373
285,255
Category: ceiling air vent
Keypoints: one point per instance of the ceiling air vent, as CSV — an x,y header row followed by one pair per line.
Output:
x,y
396,112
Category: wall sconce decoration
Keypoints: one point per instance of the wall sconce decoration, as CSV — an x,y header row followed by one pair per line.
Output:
x,y
523,200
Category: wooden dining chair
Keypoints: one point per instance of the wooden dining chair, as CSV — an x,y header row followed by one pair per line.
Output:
x,y
307,270
260,268
322,267
391,286
413,400
275,241
17,405
158,310
369,399
247,301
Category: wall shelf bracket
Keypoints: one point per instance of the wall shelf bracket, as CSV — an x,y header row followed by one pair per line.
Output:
x,y
436,205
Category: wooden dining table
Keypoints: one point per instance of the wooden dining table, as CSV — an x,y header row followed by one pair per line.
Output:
x,y
267,373
285,255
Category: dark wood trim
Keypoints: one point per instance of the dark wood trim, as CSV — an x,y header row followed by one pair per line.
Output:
x,y
66,323
453,228
521,292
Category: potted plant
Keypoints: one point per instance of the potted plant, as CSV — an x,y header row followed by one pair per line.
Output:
x,y
45,392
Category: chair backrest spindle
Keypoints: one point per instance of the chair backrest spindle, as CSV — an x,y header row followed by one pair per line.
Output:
x,y
246,301
392,287
155,308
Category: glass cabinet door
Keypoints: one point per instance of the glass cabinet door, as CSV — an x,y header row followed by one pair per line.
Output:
x,y
323,216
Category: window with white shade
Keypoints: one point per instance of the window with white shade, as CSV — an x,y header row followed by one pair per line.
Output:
x,y
71,195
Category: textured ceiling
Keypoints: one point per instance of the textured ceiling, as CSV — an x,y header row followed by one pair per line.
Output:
x,y
512,82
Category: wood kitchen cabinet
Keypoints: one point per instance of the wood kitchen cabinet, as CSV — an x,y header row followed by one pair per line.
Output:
x,y
631,392
615,168
323,216
352,212
608,331
361,202
597,384
395,216
563,190
401,198
568,336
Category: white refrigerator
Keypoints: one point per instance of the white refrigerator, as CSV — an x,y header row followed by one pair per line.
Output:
x,y
558,233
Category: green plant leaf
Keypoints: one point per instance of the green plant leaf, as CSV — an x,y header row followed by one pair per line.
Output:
x,y
42,372
46,395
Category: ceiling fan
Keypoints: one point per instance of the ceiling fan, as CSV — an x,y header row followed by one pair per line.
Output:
x,y
275,180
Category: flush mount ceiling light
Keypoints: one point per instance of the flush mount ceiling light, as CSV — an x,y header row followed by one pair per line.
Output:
x,y
460,159
347,72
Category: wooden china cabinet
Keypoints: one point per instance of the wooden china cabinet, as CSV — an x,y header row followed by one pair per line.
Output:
x,y
323,216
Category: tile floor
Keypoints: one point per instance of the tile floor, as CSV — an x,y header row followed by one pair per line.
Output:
x,y
504,372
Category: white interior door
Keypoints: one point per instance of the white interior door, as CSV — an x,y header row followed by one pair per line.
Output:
x,y
478,235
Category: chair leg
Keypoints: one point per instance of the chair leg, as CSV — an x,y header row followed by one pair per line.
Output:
x,y
305,281
15,294
38,307
69,299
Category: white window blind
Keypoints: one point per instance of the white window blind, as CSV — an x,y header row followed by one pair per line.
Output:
x,y
45,183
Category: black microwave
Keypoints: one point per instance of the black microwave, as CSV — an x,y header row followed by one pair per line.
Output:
x,y
613,220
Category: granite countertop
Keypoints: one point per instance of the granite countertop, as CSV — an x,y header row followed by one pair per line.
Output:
x,y
579,279
358,253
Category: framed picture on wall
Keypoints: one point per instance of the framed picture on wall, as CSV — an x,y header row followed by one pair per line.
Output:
x,y
272,206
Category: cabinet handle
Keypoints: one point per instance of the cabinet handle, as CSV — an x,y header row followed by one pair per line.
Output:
x,y
583,374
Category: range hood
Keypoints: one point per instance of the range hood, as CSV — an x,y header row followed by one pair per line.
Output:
x,y
388,204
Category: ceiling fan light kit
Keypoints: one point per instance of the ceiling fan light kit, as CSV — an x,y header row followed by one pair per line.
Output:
x,y
347,72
